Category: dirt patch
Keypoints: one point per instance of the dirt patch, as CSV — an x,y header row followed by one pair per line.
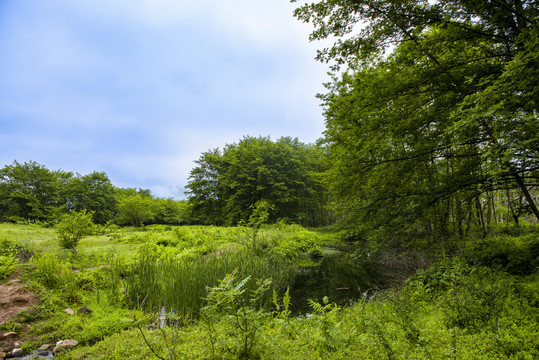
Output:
x,y
14,298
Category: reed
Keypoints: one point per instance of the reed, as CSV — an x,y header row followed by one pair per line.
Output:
x,y
181,286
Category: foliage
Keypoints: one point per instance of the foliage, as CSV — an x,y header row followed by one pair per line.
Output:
x,y
515,255
29,191
134,209
169,211
7,265
15,249
431,119
180,284
71,228
482,304
237,315
226,183
94,193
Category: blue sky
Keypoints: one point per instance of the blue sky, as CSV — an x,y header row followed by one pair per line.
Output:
x,y
140,88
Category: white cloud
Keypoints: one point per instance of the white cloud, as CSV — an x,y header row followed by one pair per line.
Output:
x,y
140,88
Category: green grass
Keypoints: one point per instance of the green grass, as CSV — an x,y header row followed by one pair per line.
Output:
x,y
483,304
181,286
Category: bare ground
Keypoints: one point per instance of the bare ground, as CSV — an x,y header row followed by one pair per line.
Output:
x,y
14,298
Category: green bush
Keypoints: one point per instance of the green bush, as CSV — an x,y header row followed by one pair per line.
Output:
x,y
8,263
48,270
515,255
16,249
73,227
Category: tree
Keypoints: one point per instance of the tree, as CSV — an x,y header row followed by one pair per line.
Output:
x,y
226,184
207,193
135,209
30,191
170,211
73,227
93,192
435,108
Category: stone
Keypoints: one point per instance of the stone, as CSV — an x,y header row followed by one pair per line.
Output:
x,y
84,311
43,353
17,352
44,347
3,355
65,344
9,335
69,311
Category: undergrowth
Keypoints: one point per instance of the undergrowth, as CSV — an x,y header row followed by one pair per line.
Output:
x,y
229,303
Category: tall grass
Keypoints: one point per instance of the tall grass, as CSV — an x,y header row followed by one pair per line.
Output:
x,y
181,286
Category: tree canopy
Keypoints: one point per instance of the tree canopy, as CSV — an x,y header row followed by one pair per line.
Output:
x,y
433,104
226,183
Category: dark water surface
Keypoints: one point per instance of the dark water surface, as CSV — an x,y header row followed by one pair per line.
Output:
x,y
342,280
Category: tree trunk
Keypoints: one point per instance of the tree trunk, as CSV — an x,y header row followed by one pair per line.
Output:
x,y
480,215
513,213
527,195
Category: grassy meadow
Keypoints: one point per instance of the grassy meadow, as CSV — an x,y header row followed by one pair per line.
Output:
x,y
203,292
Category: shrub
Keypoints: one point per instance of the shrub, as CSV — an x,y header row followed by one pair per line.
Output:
x,y
234,317
17,250
7,265
73,227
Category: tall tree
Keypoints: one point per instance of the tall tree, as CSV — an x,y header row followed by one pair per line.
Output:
x,y
226,184
94,193
135,209
436,105
30,191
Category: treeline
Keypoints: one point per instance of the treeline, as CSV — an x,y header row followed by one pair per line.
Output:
x,y
31,192
223,188
287,174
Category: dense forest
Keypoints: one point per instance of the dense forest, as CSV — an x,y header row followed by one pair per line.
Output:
x,y
410,230
432,112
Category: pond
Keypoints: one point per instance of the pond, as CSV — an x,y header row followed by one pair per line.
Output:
x,y
342,280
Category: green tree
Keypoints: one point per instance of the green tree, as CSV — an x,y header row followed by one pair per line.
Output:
x,y
73,227
226,184
30,191
135,209
207,196
170,211
94,193
435,109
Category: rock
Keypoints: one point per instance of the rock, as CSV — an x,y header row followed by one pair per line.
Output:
x,y
9,335
44,347
17,352
65,344
69,311
3,355
84,311
43,353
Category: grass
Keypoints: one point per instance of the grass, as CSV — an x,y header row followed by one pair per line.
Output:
x,y
482,304
181,286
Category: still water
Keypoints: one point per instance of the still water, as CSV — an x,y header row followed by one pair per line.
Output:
x,y
341,279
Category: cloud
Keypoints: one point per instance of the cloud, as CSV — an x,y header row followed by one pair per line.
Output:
x,y
139,88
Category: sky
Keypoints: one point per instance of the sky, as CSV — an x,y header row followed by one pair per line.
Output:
x,y
139,89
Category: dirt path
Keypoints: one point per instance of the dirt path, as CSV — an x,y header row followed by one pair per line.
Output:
x,y
14,298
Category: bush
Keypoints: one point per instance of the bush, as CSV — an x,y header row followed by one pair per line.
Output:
x,y
515,255
7,265
17,250
73,227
